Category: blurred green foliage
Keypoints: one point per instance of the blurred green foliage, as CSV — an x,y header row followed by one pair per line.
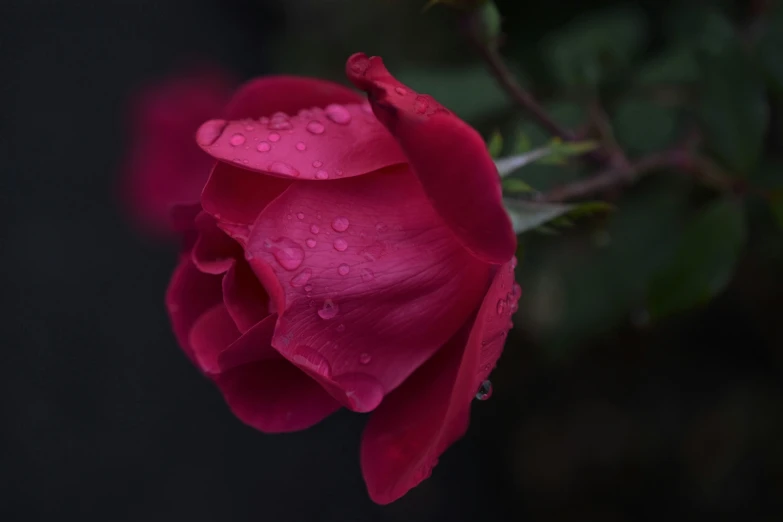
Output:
x,y
663,74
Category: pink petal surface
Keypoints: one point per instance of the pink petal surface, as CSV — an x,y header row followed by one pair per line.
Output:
x,y
367,279
214,252
235,197
190,294
315,144
246,300
448,156
430,411
270,94
261,388
165,166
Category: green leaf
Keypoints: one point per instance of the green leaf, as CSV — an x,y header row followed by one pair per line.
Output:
x,y
516,186
527,215
704,261
469,91
641,126
594,47
733,108
561,151
495,144
677,65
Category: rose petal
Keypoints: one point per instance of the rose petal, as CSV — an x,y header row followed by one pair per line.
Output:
x,y
449,157
246,300
430,411
270,94
369,283
165,165
211,334
235,197
214,252
273,396
318,144
190,294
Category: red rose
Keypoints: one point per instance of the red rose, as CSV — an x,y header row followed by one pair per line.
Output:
x,y
348,255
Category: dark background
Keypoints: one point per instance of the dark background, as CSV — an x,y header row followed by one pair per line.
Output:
x,y
102,418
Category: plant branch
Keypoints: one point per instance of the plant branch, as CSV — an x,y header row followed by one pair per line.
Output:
x,y
624,175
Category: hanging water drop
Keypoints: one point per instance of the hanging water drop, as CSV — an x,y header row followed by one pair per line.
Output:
x,y
286,251
484,391
328,310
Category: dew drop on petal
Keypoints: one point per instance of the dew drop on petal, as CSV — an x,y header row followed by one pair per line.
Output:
x,y
340,224
321,174
328,310
340,244
365,358
301,147
484,391
364,392
210,131
338,114
310,243
237,140
314,229
315,127
301,278
300,215
308,288
306,357
286,251
318,164
516,291
273,137
501,308
263,146
343,269
278,167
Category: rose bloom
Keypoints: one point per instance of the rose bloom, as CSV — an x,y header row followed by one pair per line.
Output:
x,y
347,252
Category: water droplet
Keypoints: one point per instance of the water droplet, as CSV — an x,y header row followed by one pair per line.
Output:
x,y
381,227
340,224
516,291
343,269
301,278
364,392
484,391
513,306
280,121
338,114
273,137
306,357
501,306
366,274
310,243
321,174
264,146
314,229
339,173
340,244
400,91
421,104
340,328
287,252
318,164
328,310
301,147
210,131
278,167
365,358
315,127
237,140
